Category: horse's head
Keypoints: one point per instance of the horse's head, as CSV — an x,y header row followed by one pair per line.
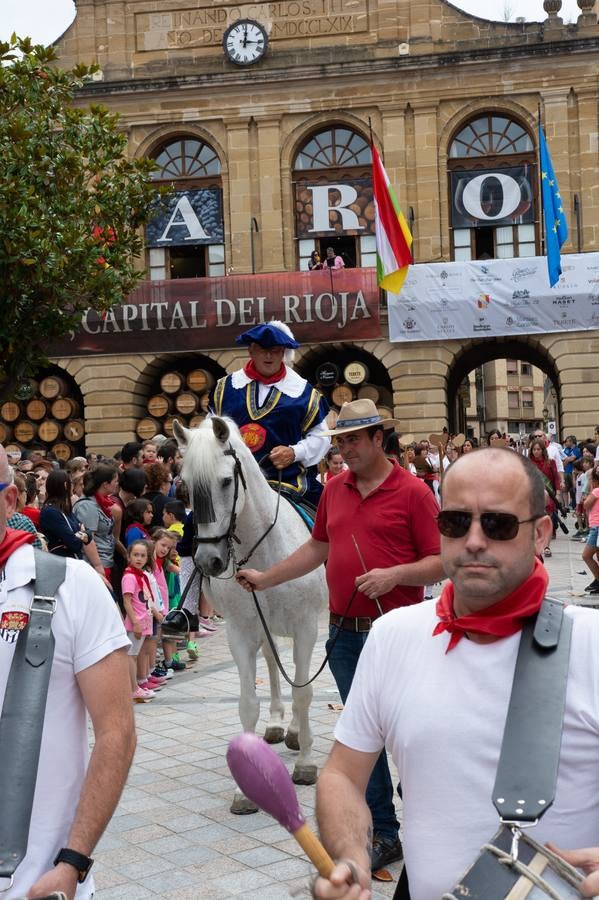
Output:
x,y
213,475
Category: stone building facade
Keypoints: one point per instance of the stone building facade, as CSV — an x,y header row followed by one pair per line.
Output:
x,y
442,91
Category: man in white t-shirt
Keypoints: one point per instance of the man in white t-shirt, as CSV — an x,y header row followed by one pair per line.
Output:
x,y
74,797
433,684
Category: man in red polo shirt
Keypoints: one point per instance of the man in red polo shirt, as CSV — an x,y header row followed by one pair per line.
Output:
x,y
376,529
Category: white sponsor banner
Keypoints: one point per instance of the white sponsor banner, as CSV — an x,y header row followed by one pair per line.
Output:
x,y
441,301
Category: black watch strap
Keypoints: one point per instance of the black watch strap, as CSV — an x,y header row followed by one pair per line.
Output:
x,y
78,860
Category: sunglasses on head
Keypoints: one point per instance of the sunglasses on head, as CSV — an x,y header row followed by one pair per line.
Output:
x,y
497,526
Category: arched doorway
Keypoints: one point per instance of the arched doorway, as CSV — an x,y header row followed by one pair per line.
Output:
x,y
516,381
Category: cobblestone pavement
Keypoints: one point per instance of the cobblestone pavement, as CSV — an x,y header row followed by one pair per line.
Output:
x,y
172,835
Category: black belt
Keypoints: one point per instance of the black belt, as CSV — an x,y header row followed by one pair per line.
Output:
x,y
351,623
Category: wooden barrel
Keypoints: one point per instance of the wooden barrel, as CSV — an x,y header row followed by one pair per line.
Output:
x,y
12,448
49,430
10,411
147,428
205,401
64,408
62,451
5,433
341,394
369,392
356,373
53,386
200,380
74,430
186,403
159,405
25,431
196,421
36,409
171,383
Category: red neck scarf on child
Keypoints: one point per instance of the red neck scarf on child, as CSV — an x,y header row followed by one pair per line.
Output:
x,y
105,503
140,577
13,539
252,372
501,619
159,560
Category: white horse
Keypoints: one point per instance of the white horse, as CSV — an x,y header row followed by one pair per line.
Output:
x,y
233,507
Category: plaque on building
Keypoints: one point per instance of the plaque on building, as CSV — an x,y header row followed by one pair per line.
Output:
x,y
188,218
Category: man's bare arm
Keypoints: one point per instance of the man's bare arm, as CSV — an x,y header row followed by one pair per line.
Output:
x,y
106,694
305,559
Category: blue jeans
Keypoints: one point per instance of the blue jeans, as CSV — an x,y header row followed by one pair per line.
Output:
x,y
379,792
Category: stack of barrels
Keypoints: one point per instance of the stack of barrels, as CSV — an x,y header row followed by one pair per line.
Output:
x,y
47,416
182,397
352,383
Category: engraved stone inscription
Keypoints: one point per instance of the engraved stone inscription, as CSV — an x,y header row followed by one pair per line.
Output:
x,y
204,27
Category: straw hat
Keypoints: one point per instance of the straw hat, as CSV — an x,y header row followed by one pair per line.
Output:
x,y
359,414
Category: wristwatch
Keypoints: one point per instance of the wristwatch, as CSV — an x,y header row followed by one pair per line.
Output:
x,y
78,860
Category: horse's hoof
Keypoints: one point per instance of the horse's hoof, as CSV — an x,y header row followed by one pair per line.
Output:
x,y
291,740
305,775
241,806
274,734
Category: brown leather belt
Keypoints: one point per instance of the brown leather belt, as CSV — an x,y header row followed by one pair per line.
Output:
x,y
351,623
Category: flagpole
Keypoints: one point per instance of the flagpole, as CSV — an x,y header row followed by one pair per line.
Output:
x,y
540,179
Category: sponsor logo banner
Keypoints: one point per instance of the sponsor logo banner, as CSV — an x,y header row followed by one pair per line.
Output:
x,y
496,298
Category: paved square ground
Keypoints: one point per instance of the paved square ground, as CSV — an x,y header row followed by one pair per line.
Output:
x,y
172,835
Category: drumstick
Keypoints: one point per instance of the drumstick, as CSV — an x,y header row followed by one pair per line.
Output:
x,y
378,605
263,778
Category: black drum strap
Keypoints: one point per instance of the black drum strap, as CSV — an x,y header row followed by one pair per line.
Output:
x,y
528,763
22,720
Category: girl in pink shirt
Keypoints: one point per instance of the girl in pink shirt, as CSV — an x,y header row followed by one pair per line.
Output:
x,y
591,506
138,602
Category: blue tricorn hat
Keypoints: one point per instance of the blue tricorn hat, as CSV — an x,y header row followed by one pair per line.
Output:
x,y
269,334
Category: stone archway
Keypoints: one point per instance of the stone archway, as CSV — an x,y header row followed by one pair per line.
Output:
x,y
475,353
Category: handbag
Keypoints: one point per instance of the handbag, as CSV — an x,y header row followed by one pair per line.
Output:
x,y
512,864
22,718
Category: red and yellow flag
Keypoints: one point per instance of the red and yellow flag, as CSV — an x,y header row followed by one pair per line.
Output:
x,y
393,236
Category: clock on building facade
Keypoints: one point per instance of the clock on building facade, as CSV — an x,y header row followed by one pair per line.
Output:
x,y
245,42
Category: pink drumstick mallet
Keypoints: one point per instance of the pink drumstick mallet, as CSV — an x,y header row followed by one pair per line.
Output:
x,y
263,778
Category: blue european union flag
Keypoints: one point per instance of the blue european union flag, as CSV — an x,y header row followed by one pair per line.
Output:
x,y
556,227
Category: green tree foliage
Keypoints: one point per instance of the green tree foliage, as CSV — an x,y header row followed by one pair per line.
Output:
x,y
71,207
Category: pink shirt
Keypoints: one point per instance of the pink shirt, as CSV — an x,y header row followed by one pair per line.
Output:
x,y
160,578
141,601
594,510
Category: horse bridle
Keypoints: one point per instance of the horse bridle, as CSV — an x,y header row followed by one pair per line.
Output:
x,y
229,535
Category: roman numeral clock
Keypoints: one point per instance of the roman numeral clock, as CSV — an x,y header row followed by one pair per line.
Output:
x,y
245,42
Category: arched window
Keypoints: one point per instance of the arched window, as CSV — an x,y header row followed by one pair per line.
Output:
x,y
332,179
490,135
186,158
186,240
333,148
492,181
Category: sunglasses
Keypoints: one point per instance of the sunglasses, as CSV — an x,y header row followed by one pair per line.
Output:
x,y
497,526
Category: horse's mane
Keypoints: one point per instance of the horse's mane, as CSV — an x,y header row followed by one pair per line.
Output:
x,y
201,455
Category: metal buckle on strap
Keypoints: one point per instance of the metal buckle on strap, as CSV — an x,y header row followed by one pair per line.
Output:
x,y
49,600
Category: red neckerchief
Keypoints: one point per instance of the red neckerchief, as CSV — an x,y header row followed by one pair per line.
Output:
x,y
159,560
252,372
145,533
13,539
140,577
502,619
105,503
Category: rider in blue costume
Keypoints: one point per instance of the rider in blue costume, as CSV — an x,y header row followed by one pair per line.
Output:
x,y
279,414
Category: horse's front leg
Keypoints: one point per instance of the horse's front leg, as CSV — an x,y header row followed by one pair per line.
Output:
x,y
305,771
244,649
275,733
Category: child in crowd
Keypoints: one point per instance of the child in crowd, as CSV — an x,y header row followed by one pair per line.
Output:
x,y
139,516
164,544
591,506
149,453
173,517
579,476
138,603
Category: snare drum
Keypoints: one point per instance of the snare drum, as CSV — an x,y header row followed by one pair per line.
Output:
x,y
535,873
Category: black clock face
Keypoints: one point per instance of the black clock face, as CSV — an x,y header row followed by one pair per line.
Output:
x,y
245,42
